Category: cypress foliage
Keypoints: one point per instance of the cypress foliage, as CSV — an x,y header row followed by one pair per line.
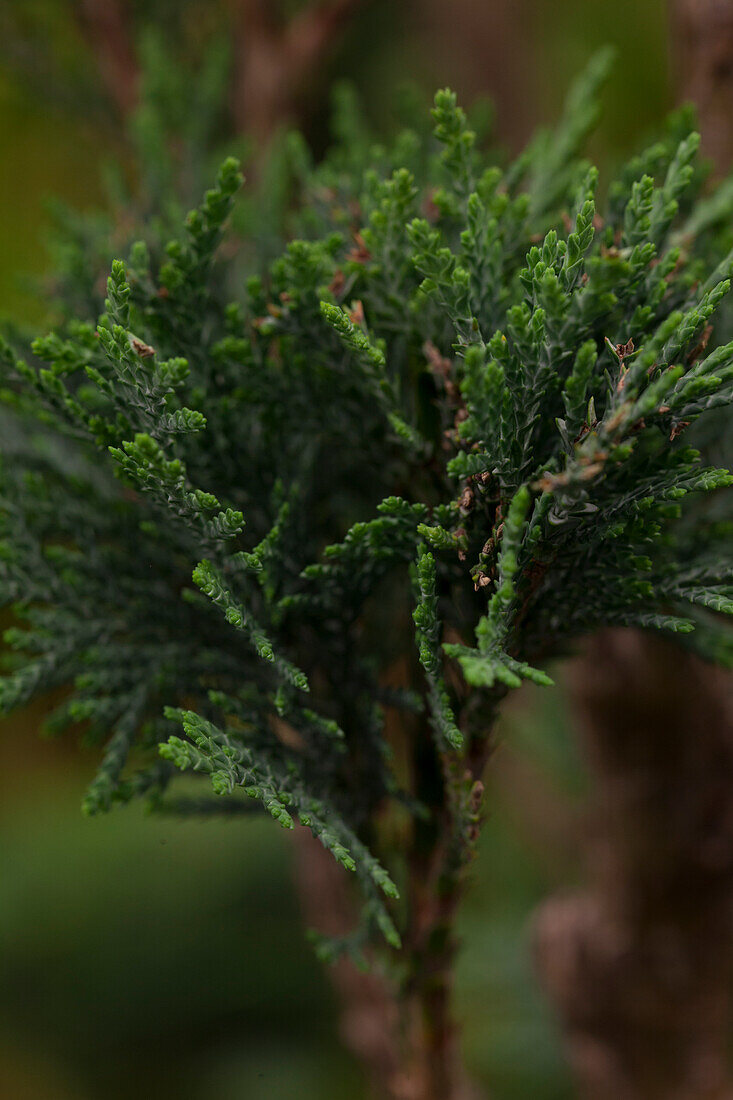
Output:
x,y
447,427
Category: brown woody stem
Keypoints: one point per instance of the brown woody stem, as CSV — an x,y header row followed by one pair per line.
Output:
x,y
405,1036
638,966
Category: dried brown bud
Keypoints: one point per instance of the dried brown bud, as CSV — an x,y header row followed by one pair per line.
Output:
x,y
359,254
356,313
141,348
337,284
476,796
677,429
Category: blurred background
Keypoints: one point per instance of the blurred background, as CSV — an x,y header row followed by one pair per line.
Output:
x,y
146,956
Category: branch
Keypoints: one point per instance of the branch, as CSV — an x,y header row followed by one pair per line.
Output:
x,y
638,965
311,34
273,62
703,47
106,26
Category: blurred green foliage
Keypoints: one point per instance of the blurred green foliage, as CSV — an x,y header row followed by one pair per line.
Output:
x,y
44,154
111,936
639,93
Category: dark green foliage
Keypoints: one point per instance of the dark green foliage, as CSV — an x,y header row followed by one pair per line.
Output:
x,y
464,394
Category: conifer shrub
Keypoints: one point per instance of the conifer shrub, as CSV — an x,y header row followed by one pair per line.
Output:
x,y
302,532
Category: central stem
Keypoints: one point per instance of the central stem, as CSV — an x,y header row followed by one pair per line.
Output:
x,y
405,1034
443,848
432,1057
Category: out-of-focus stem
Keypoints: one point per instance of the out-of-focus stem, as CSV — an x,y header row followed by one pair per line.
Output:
x,y
639,965
702,54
